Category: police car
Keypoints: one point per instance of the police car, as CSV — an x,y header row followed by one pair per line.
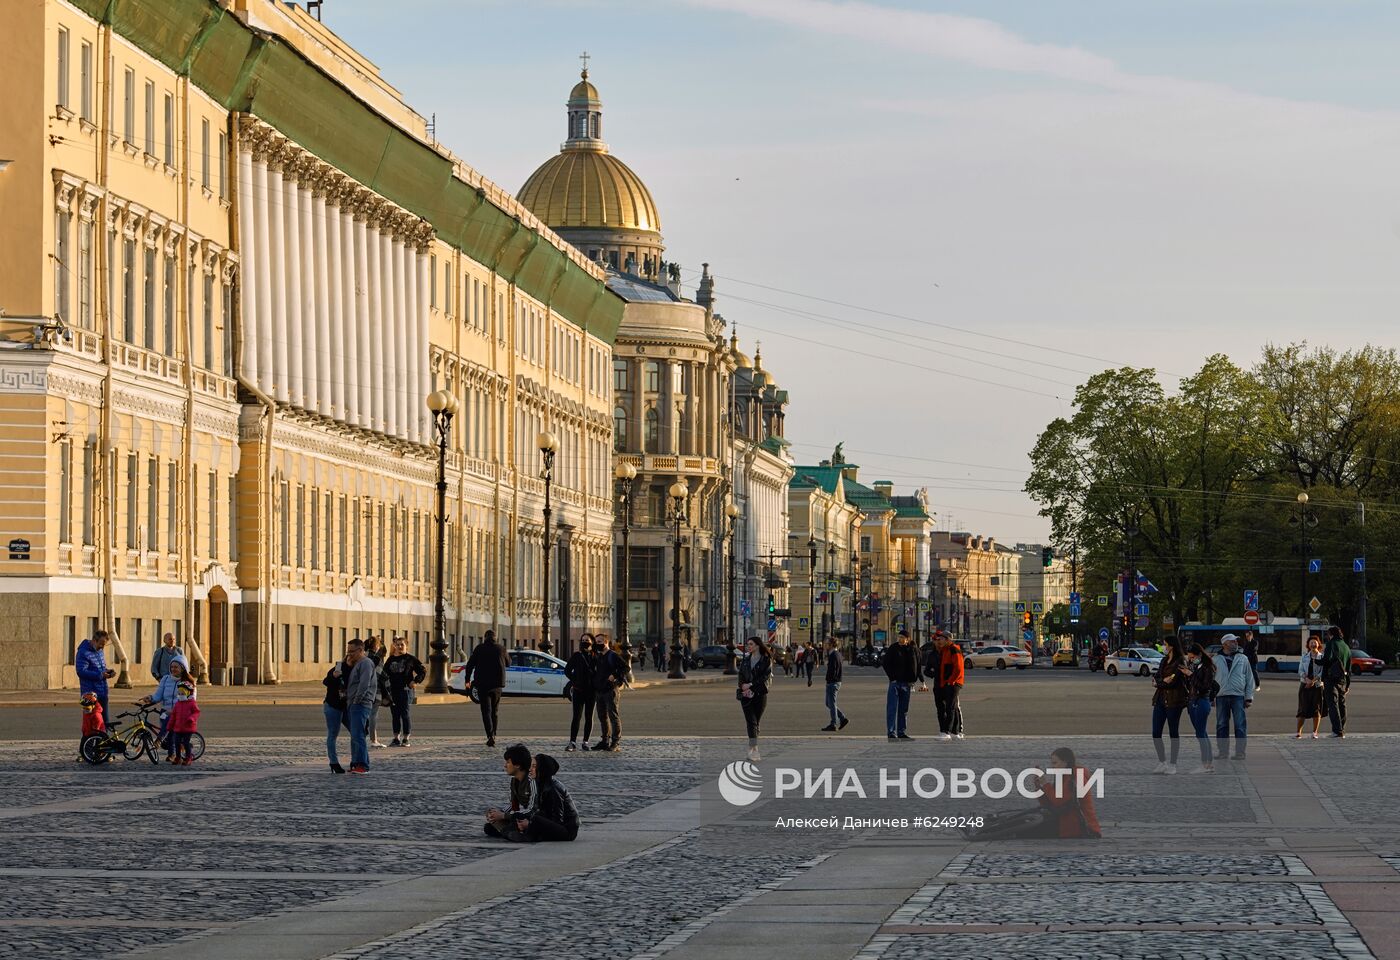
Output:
x,y
530,674
1142,661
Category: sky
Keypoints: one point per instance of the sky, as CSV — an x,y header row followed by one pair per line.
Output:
x,y
939,218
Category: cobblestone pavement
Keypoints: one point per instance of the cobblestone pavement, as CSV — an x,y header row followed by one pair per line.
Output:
x,y
1292,853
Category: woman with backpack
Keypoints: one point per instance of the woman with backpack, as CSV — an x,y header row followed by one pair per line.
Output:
x,y
1201,688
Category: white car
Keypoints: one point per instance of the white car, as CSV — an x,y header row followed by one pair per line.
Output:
x,y
1143,661
531,674
997,656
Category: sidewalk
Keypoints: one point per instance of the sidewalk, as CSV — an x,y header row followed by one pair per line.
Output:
x,y
298,694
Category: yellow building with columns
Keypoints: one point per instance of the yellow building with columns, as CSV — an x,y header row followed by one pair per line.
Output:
x,y
239,264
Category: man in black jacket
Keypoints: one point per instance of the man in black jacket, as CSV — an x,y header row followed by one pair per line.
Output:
x,y
609,674
834,670
553,817
486,671
1336,680
901,663
579,672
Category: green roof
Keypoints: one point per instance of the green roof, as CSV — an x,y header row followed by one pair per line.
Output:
x,y
250,71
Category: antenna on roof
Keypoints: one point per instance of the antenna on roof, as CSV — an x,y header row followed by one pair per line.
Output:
x,y
313,7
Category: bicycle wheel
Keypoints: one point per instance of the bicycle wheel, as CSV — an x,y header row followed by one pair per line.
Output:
x,y
141,742
196,745
94,748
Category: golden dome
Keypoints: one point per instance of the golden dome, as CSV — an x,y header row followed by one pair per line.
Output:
x,y
584,91
589,188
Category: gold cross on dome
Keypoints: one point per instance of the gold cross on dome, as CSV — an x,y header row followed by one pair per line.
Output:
x,y
585,58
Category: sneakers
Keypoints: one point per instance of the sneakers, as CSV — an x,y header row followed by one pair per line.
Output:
x,y
187,761
753,755
904,736
1171,769
1298,735
395,742
571,747
1337,736
376,743
959,736
1161,767
1314,734
406,743
356,768
944,736
584,746
892,737
829,728
844,721
1204,768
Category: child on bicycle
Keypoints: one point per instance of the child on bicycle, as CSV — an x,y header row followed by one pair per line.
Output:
x,y
184,720
93,721
164,697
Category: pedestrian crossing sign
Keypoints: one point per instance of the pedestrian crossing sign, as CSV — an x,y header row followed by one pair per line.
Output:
x,y
1020,606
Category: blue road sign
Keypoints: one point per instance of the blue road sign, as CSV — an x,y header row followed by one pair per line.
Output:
x,y
1103,633
1020,606
1028,635
1314,566
1101,600
1251,599
1074,608
1037,606
1358,565
745,608
1074,597
772,624
1143,610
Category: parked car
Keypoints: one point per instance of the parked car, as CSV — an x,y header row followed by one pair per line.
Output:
x,y
1142,661
530,674
1063,658
1363,662
1000,657
710,655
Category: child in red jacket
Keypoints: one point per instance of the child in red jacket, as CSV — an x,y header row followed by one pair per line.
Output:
x,y
184,720
93,721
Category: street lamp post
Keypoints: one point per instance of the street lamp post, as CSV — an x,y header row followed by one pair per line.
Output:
x,y
676,508
442,405
811,585
625,474
829,614
548,447
1304,518
731,513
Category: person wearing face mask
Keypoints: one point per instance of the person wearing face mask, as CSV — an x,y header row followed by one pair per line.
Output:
x,y
1168,701
1198,670
1310,687
579,672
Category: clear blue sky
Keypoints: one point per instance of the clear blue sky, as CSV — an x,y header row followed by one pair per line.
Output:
x,y
1131,182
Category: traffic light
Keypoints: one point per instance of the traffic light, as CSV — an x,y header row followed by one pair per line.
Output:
x,y
772,607
1047,557
1026,619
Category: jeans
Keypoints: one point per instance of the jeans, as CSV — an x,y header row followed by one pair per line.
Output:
x,y
896,707
1199,712
374,722
945,701
753,714
609,719
359,734
809,666
490,710
334,718
837,716
583,710
400,700
1171,718
1227,707
1334,700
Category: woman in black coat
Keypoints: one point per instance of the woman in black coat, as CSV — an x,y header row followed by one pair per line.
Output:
x,y
579,672
755,673
553,817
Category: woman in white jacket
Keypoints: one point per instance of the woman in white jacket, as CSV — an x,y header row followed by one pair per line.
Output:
x,y
1310,686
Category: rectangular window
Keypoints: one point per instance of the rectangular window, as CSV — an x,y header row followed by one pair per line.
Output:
x,y
70,640
233,518
287,642
63,67
328,525
315,644
171,503
169,305
432,281
864,544
129,291
153,504
209,321
355,521
85,275
301,642
223,166
315,530
150,119
169,148
85,81
301,526
213,514
148,295
189,300
204,153
133,490
285,523
344,509
139,641
62,264
619,375
129,108
89,468
447,292
226,318
65,492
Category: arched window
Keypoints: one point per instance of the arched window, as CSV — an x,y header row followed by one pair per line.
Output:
x,y
653,428
619,428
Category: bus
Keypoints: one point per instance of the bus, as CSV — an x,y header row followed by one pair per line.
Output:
x,y
1280,642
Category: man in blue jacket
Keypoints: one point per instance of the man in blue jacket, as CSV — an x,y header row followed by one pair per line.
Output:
x,y
92,669
1236,694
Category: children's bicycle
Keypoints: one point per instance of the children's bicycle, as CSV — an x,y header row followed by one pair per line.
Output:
x,y
142,738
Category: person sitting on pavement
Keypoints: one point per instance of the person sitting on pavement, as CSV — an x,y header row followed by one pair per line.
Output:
x,y
553,817
1061,813
1235,696
516,761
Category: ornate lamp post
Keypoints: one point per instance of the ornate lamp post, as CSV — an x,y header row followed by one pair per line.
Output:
x,y
548,447
676,513
811,585
625,474
731,513
829,614
967,613
1304,518
442,405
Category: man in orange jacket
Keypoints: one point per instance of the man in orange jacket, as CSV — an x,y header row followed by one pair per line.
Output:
x,y
947,663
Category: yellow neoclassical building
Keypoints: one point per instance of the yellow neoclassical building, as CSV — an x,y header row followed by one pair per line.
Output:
x,y
234,265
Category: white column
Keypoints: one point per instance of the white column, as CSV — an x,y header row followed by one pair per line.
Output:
x,y
307,252
317,261
277,259
372,360
295,325
362,281
394,330
420,346
384,373
338,322
251,275
261,297
408,356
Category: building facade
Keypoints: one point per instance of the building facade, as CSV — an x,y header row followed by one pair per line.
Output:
x,y
233,315
967,575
